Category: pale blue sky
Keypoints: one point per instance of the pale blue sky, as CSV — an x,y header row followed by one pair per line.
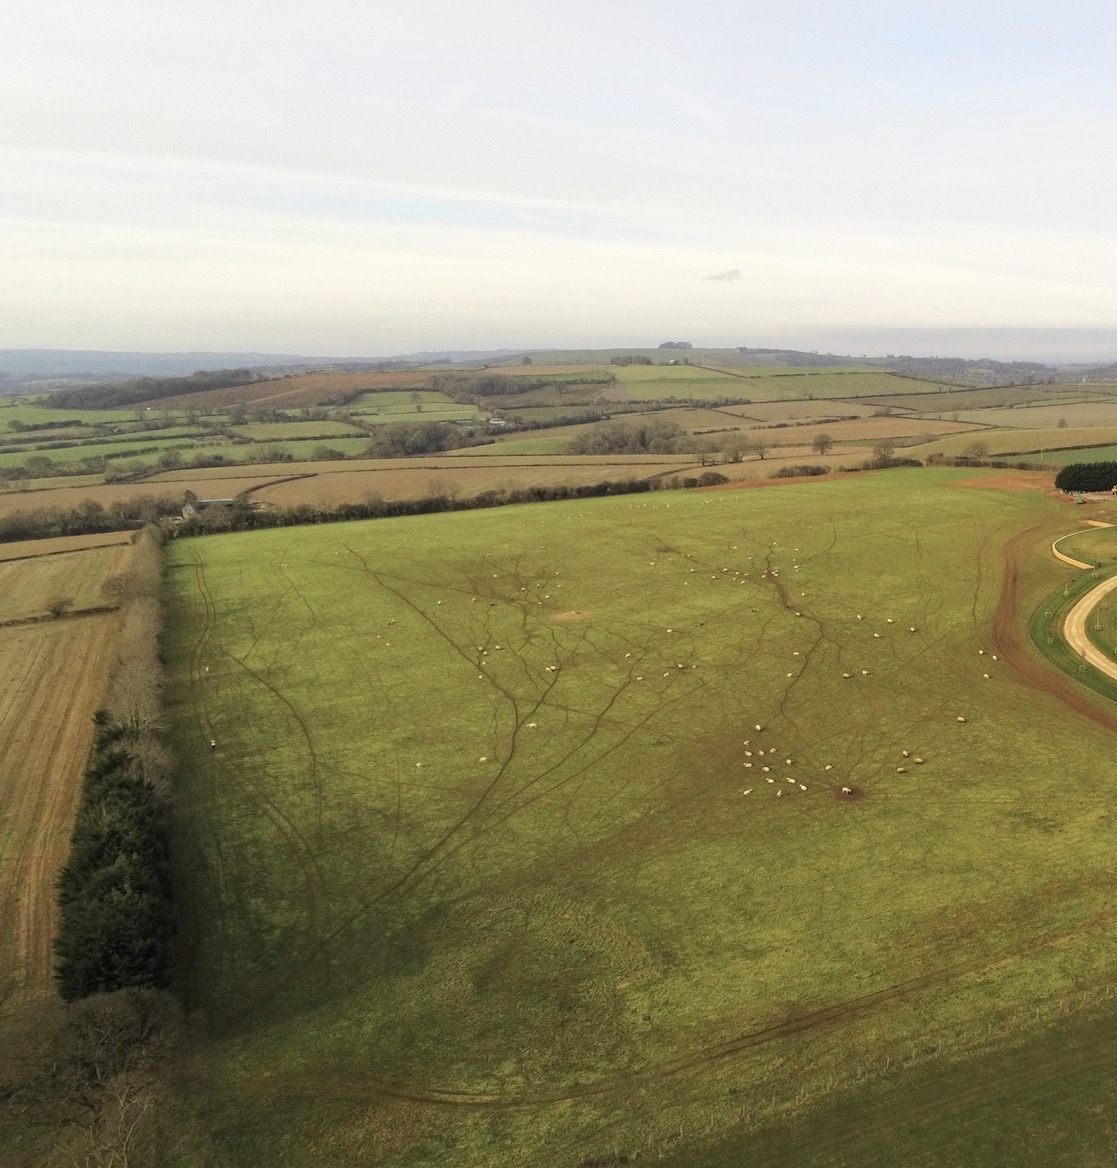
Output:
x,y
372,178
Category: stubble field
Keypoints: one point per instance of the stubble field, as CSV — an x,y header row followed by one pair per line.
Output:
x,y
473,877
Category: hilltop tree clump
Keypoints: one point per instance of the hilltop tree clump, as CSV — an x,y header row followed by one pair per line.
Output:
x,y
1087,476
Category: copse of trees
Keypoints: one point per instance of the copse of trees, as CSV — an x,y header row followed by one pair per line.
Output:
x,y
402,439
657,436
1087,476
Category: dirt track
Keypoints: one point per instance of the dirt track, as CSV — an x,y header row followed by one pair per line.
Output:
x,y
1006,632
1074,630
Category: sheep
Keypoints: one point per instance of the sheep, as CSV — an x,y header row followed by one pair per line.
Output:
x,y
790,780
747,765
779,793
901,770
918,760
639,679
847,790
769,780
759,727
877,635
891,621
765,768
904,753
802,786
829,766
981,652
847,675
864,673
986,676
748,754
787,762
531,726
960,718
483,758
761,753
911,629
748,792
994,656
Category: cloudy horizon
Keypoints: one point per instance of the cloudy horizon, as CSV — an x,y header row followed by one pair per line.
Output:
x,y
344,179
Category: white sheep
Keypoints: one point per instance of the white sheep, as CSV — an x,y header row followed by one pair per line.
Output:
x,y
960,718
877,635
765,768
829,766
779,793
918,760
901,770
748,792
904,753
891,621
483,758
532,726
847,675
802,787
847,790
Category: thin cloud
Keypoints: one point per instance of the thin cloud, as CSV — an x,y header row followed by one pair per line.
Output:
x,y
732,274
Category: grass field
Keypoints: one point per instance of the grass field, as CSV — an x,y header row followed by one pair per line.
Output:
x,y
471,878
1066,457
1046,417
1024,442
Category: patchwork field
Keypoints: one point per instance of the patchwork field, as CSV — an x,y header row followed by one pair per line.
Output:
x,y
27,586
487,867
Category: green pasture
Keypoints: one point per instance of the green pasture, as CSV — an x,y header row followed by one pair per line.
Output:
x,y
281,431
1066,457
34,415
472,878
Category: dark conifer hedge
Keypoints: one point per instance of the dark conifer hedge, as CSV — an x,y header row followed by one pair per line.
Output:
x,y
116,913
1087,476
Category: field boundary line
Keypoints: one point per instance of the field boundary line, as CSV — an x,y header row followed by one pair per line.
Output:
x,y
95,610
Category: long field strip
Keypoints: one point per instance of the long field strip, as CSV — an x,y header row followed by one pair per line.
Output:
x,y
51,680
525,838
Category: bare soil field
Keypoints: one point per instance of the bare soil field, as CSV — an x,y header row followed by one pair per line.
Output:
x,y
27,585
30,549
206,484
308,389
52,677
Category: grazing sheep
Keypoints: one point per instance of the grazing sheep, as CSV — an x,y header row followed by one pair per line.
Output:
x,y
765,768
779,793
986,676
864,673
790,780
891,621
829,766
918,760
759,727
747,764
877,635
859,616
911,629
769,780
532,726
748,753
787,762
847,790
483,758
904,753
960,718
901,770
847,675
639,679
994,656
802,787
748,792
981,652
761,753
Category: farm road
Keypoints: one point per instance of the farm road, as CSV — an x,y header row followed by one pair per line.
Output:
x,y
1074,630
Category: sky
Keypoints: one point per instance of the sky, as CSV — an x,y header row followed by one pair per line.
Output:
x,y
374,178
